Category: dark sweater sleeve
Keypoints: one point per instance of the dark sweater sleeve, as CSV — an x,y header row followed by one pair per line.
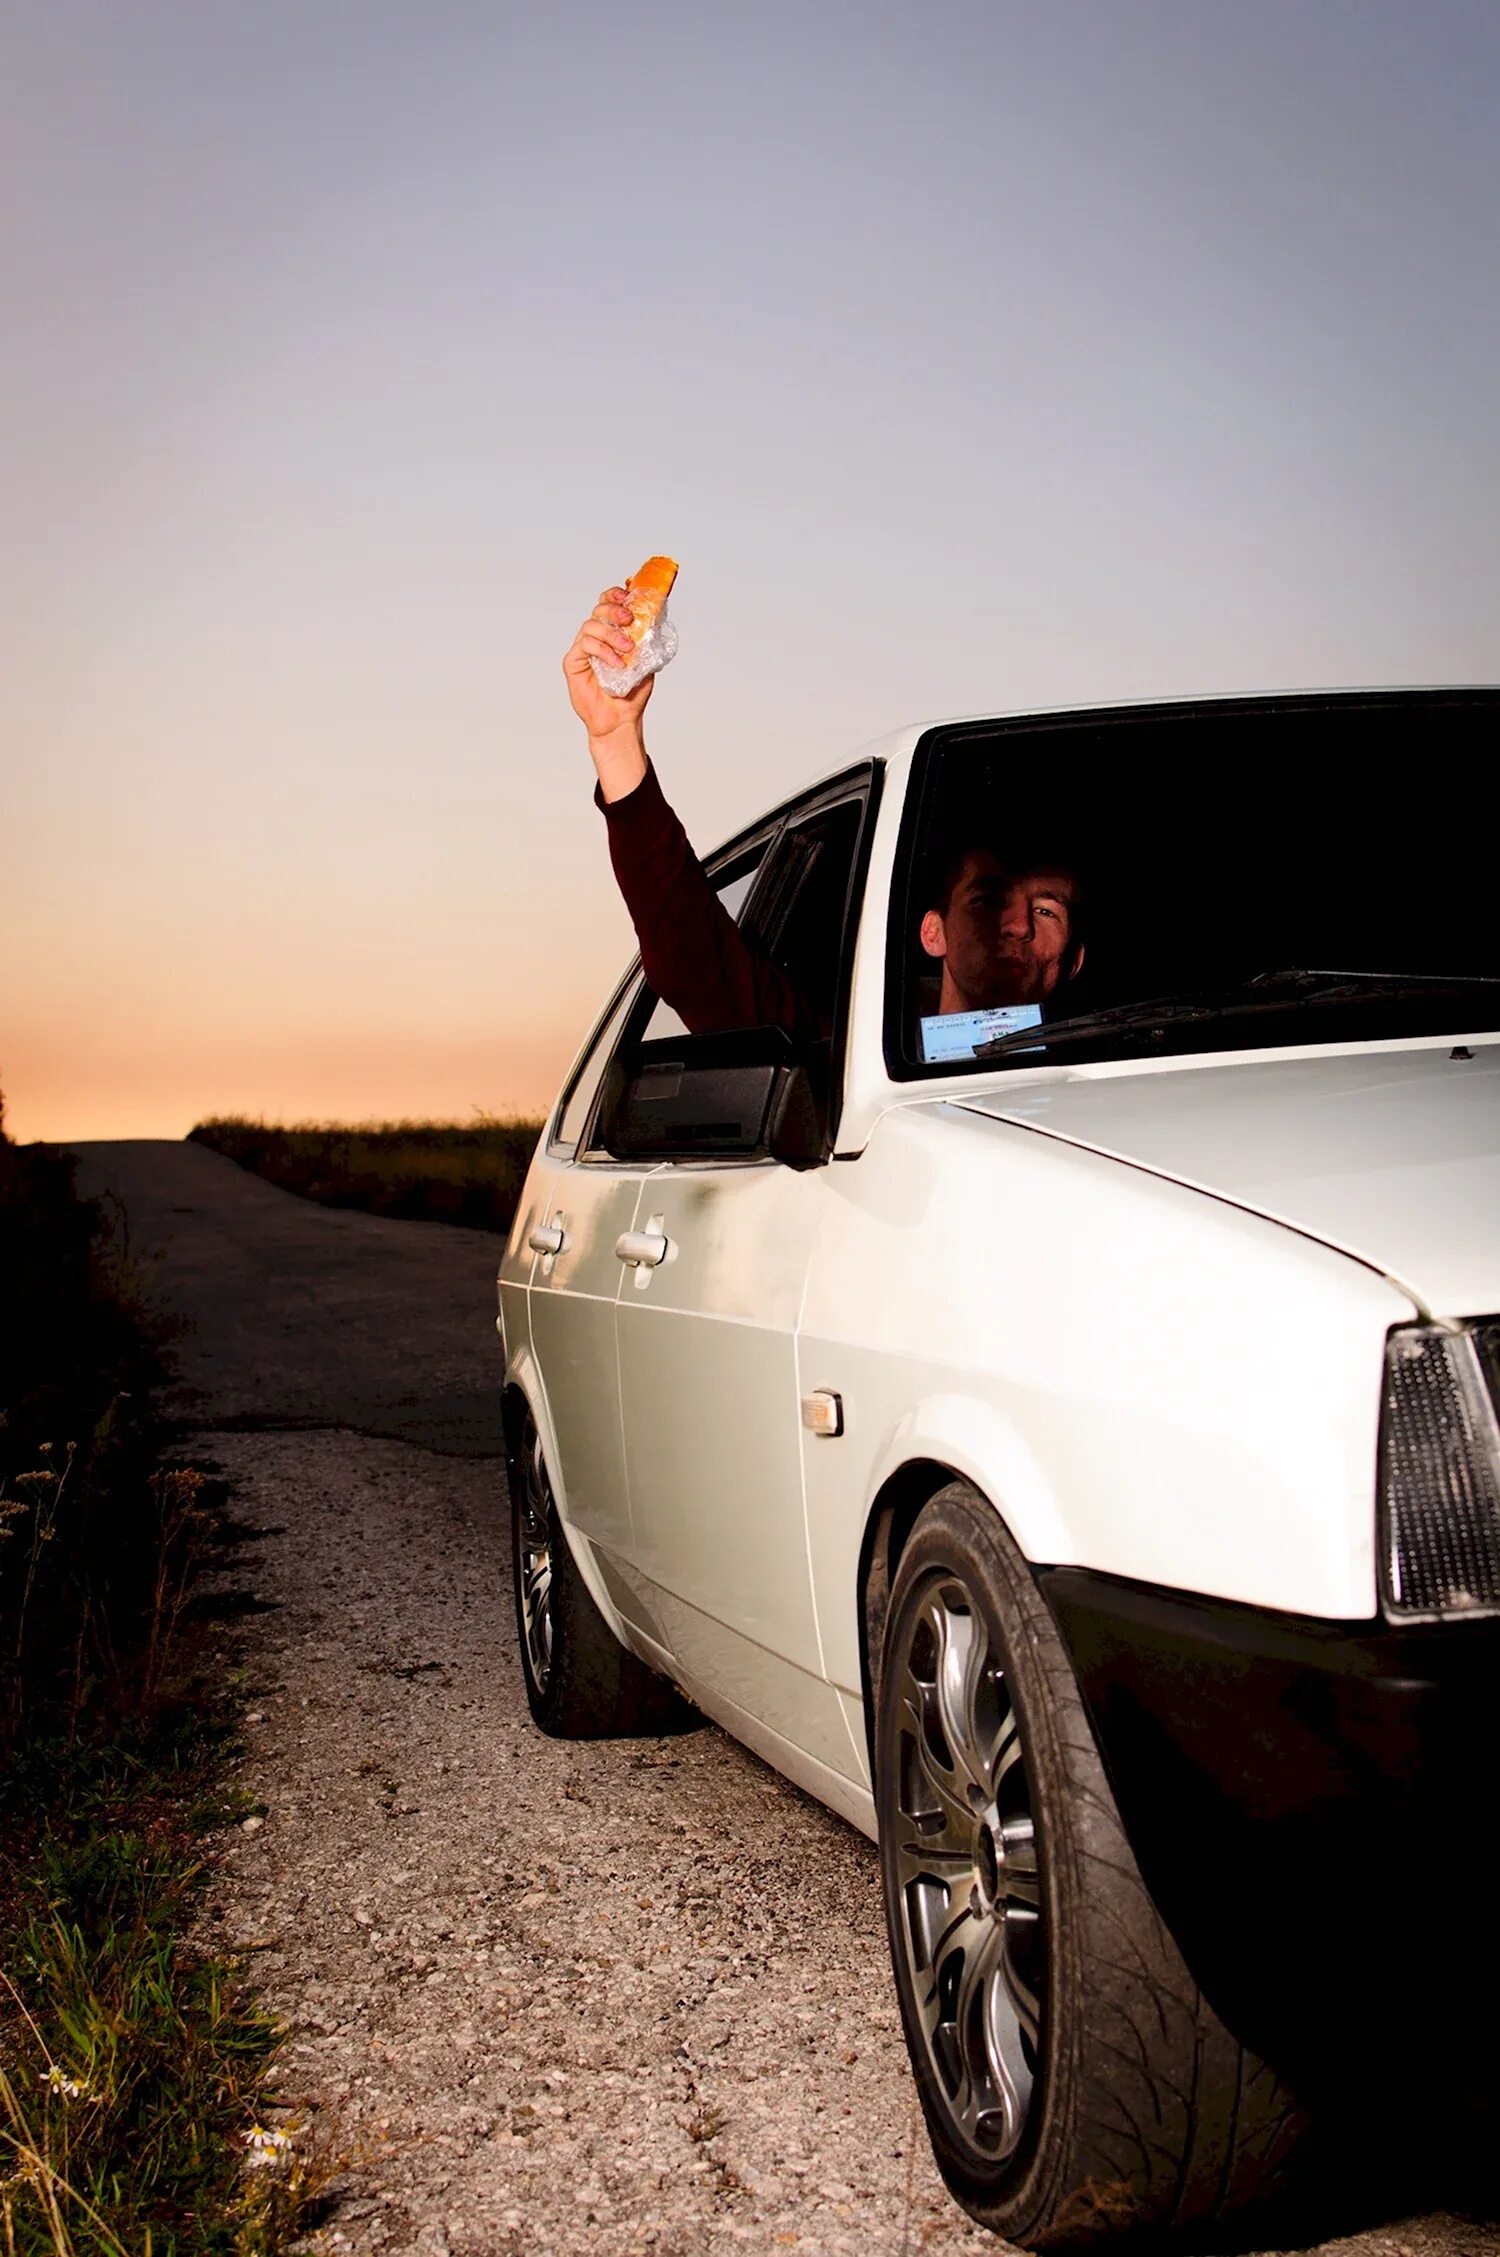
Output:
x,y
693,953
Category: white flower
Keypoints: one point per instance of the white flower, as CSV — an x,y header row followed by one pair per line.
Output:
x,y
267,2147
71,2088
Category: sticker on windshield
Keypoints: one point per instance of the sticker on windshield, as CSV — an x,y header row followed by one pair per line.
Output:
x,y
958,1034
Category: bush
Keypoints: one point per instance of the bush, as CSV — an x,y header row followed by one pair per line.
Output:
x,y
415,1171
84,1533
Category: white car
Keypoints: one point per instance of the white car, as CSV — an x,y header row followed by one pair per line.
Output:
x,y
1077,1464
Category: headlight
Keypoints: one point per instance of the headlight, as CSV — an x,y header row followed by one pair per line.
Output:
x,y
1440,1471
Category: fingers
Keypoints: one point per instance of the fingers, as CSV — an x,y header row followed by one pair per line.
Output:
x,y
612,615
586,645
606,623
603,636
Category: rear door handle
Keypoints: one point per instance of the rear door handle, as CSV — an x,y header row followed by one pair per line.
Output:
x,y
643,1249
547,1238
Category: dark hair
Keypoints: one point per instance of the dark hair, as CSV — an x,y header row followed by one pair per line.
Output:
x,y
943,875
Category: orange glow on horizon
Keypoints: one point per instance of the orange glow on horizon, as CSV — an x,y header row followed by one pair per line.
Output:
x,y
56,1093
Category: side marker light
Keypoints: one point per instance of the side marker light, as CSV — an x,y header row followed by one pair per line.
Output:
x,y
823,1413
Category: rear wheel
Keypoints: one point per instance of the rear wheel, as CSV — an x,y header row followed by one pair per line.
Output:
x,y
581,1683
1074,2080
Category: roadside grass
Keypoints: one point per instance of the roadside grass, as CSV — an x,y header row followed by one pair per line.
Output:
x,y
133,2063
417,1171
132,2066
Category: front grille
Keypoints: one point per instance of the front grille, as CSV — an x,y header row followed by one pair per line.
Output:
x,y
1440,1471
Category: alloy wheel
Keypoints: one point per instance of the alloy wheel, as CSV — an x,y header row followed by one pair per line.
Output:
x,y
970,1915
534,1553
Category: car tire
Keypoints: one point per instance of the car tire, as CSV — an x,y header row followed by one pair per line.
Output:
x,y
1074,2080
581,1683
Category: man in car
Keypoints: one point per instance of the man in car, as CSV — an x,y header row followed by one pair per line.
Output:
x,y
1006,939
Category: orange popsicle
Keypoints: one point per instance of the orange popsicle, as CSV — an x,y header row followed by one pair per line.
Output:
x,y
645,593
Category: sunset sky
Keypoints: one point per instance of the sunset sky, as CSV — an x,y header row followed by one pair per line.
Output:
x,y
968,356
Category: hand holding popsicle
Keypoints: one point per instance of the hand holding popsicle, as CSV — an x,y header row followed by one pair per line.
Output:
x,y
604,641
611,670
650,637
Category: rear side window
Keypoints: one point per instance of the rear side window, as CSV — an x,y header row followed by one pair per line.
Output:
x,y
578,1103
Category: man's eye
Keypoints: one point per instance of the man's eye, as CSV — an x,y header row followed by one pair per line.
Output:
x,y
1043,911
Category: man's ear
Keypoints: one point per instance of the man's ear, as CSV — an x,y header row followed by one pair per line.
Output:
x,y
934,940
1077,964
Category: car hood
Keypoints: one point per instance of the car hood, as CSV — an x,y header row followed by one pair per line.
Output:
x,y
1391,1155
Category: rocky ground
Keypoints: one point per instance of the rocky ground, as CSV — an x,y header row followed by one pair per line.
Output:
x,y
544,1997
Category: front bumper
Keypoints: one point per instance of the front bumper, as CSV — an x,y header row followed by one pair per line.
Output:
x,y
1310,1804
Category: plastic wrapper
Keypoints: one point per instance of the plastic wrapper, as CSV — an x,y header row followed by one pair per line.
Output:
x,y
657,648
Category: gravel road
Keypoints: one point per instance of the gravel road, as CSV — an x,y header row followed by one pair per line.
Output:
x,y
545,1998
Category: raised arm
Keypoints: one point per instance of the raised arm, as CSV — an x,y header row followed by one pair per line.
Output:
x,y
616,744
693,953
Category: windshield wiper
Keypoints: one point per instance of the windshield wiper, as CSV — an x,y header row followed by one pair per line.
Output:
x,y
1283,991
1373,983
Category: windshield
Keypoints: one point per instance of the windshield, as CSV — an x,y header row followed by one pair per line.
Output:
x,y
1191,878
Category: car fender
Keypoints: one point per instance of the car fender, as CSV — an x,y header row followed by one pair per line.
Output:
x,y
985,1448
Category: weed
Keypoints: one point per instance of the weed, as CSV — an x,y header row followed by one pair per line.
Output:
x,y
133,2067
183,1537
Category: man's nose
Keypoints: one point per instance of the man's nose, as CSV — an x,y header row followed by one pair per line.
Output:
x,y
1015,917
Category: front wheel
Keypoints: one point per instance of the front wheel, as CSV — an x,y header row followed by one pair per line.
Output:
x,y
1074,2080
581,1683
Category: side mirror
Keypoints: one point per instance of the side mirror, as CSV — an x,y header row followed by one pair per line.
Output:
x,y
797,1129
748,1094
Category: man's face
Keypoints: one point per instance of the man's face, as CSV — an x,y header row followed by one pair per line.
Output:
x,y
1005,936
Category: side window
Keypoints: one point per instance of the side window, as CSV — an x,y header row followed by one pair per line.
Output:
x,y
733,886
801,909
791,894
674,1094
580,1098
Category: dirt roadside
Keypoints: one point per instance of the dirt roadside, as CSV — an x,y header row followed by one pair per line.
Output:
x,y
612,1998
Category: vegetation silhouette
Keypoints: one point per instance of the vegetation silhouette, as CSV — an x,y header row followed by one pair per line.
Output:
x,y
464,1172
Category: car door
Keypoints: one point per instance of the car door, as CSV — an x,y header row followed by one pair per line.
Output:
x,y
707,1356
575,1277
577,1273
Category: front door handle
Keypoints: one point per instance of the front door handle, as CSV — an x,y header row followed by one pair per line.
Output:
x,y
643,1249
547,1238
